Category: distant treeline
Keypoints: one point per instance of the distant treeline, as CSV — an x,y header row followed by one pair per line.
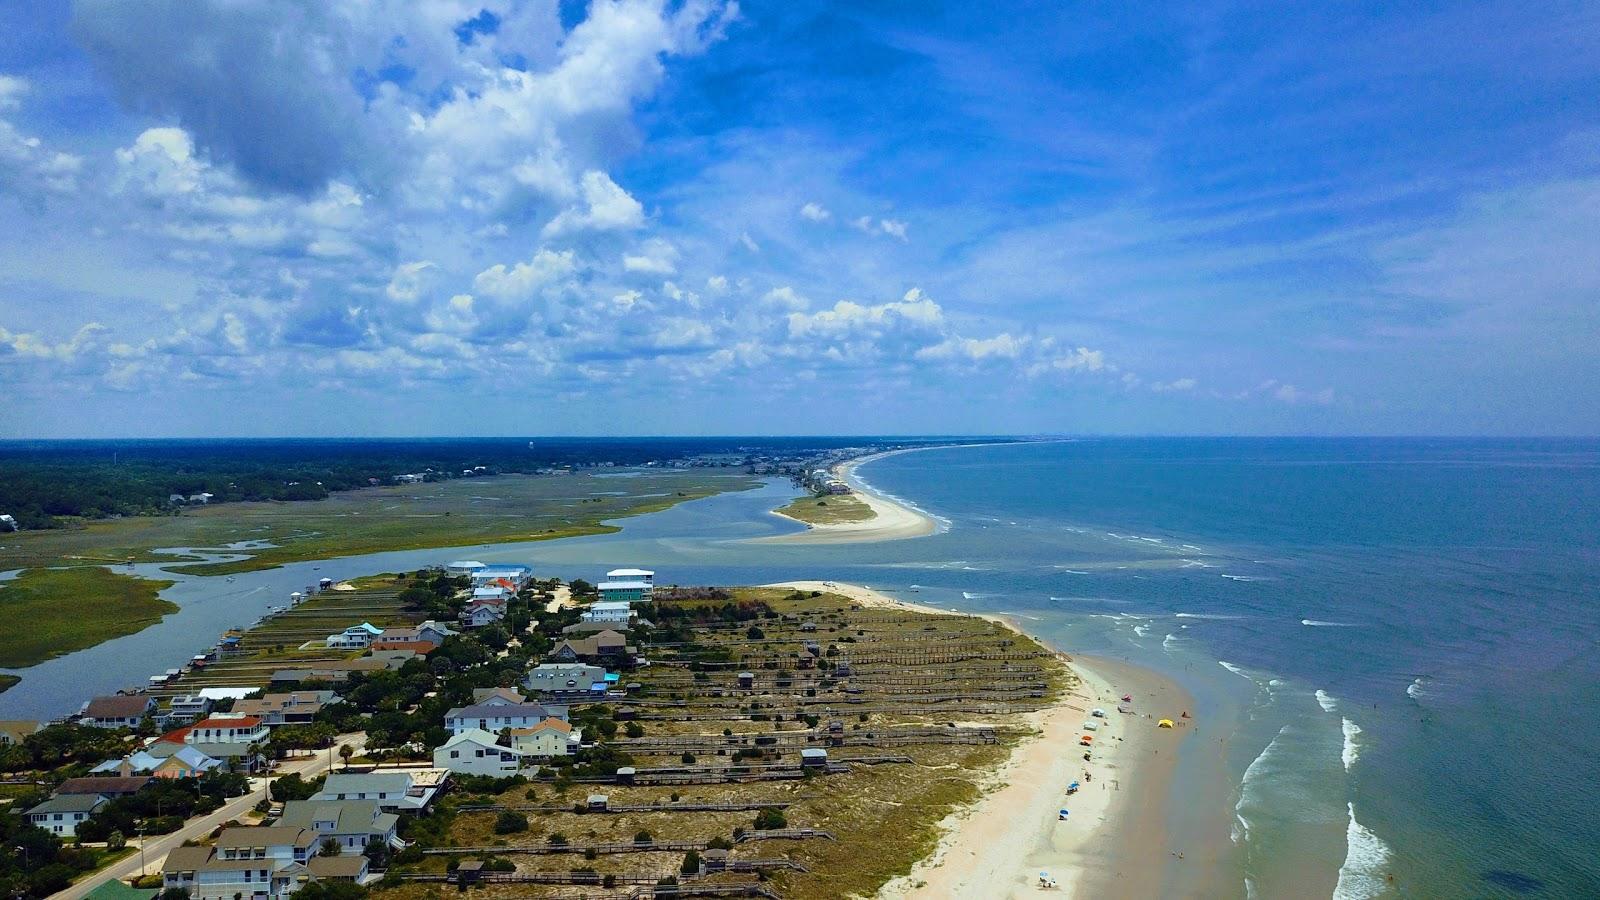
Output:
x,y
43,481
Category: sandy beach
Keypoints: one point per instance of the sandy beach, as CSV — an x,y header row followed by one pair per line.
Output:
x,y
1111,843
891,520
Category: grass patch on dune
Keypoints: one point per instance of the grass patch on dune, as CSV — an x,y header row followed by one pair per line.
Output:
x,y
45,613
833,509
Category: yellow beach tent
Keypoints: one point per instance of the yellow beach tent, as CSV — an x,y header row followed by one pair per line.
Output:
x,y
1164,723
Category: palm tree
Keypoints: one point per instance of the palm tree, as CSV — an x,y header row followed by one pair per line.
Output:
x,y
345,752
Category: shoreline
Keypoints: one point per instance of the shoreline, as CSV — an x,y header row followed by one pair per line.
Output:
x,y
1113,838
892,520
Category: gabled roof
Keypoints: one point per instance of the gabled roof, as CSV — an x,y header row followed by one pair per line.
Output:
x,y
118,706
107,785
348,816
547,725
497,711
250,722
341,866
69,803
473,736
368,783
266,836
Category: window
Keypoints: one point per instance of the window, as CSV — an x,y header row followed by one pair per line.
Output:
x,y
455,754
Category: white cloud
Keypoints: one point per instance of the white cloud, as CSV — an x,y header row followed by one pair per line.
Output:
x,y
1174,386
1000,347
749,242
605,207
655,257
409,281
890,227
815,212
524,279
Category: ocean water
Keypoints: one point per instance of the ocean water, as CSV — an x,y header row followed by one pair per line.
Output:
x,y
1393,644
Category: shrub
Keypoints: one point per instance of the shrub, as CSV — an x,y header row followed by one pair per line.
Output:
x,y
691,863
770,817
509,822
634,730
643,837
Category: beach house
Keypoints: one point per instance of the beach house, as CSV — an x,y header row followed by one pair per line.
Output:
x,y
482,613
227,728
290,708
408,791
496,717
61,814
356,637
552,737
478,752
463,567
609,611
624,591
566,679
514,577
116,711
267,862
604,647
644,575
352,824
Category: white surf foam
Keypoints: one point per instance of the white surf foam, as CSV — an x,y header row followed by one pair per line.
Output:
x,y
1168,641
1366,856
969,595
1352,748
1217,616
1234,669
1316,623
1249,785
1415,690
1242,577
1141,630
1072,571
1326,701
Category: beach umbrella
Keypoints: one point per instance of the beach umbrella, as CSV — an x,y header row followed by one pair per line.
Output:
x,y
1164,723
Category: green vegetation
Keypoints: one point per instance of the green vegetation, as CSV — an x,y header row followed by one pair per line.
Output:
x,y
828,509
910,675
459,512
45,613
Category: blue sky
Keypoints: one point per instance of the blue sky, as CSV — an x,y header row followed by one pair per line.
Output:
x,y
389,217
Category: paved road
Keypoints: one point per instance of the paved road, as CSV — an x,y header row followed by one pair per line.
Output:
x,y
157,848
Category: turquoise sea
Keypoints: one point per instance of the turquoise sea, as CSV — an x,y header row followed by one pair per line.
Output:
x,y
1393,643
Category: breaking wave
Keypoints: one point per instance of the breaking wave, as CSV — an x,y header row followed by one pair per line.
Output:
x,y
1366,856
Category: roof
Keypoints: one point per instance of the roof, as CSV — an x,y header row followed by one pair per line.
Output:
x,y
480,695
118,706
563,667
552,722
19,728
266,836
630,573
227,722
341,866
500,711
464,564
472,736
623,586
348,816
109,785
368,627
611,605
418,648
366,783
186,859
68,803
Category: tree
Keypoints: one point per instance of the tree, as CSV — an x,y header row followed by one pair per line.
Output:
x,y
175,893
691,863
345,752
116,840
634,730
510,822
330,847
754,633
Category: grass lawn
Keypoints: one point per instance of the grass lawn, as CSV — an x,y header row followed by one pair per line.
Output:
x,y
45,613
459,512
834,509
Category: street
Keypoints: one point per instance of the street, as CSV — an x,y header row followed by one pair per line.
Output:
x,y
157,848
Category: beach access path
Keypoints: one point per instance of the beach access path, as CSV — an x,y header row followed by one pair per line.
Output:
x,y
157,847
890,521
1113,834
